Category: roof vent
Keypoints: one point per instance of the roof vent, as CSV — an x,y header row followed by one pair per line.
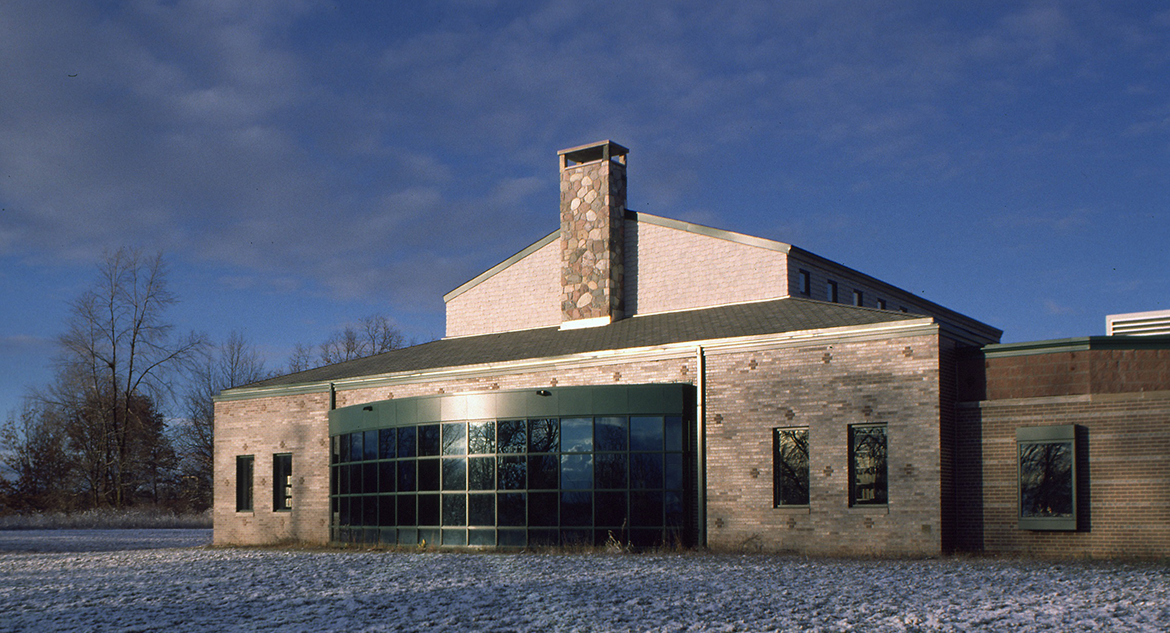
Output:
x,y
1138,323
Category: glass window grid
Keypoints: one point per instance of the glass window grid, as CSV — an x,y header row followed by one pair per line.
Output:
x,y
641,507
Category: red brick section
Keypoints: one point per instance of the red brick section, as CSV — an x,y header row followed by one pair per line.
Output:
x,y
1120,401
1071,373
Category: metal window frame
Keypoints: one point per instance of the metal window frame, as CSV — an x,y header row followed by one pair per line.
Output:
x,y
249,486
1056,434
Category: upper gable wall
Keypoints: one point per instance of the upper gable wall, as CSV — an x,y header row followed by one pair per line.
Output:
x,y
667,268
670,269
523,295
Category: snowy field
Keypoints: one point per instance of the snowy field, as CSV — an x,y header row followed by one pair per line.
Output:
x,y
113,584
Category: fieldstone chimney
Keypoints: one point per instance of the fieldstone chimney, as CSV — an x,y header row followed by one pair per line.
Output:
x,y
593,207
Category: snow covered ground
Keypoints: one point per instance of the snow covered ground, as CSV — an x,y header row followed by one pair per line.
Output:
x,y
201,589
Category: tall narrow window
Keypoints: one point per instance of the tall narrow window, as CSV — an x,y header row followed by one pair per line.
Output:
x,y
831,290
858,298
867,465
282,481
790,468
1047,472
244,464
805,283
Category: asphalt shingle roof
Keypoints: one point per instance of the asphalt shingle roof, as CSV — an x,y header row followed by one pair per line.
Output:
x,y
730,321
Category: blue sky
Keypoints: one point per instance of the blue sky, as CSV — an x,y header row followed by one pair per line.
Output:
x,y
303,164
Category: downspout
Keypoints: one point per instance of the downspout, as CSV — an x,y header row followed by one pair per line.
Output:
x,y
700,446
332,396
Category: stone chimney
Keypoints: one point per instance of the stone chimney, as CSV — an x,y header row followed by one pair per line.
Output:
x,y
593,207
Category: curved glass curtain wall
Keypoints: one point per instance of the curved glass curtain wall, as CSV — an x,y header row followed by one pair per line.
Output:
x,y
584,465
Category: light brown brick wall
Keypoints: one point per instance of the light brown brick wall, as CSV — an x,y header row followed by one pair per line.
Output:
x,y
748,394
826,389
1123,478
264,427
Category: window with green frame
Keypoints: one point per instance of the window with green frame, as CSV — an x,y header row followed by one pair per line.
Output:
x,y
244,467
282,482
790,466
1047,477
868,480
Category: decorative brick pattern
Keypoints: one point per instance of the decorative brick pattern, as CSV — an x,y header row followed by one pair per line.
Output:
x,y
875,376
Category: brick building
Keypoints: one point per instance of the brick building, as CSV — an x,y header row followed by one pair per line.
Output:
x,y
639,379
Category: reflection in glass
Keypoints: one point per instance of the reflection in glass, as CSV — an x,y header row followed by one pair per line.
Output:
x,y
868,465
543,435
673,471
386,448
674,433
610,509
609,470
645,434
386,505
355,446
335,449
542,508
455,538
386,476
428,509
511,509
481,537
481,437
355,478
369,510
791,467
428,474
513,436
407,513
610,434
577,508
370,477
513,473
407,481
454,438
576,472
343,445
645,470
406,441
673,506
454,473
455,509
542,472
428,440
481,509
645,509
481,473
371,445
1046,479
576,435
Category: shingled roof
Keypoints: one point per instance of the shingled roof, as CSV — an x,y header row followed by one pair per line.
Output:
x,y
729,321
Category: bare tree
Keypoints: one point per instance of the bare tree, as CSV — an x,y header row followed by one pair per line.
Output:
x,y
301,359
234,363
34,452
371,335
118,352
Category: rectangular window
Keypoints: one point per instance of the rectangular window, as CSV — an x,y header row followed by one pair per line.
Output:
x,y
1047,477
805,283
867,465
790,467
244,465
858,298
831,291
282,481
881,303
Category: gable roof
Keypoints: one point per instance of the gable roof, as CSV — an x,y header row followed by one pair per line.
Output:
x,y
722,322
